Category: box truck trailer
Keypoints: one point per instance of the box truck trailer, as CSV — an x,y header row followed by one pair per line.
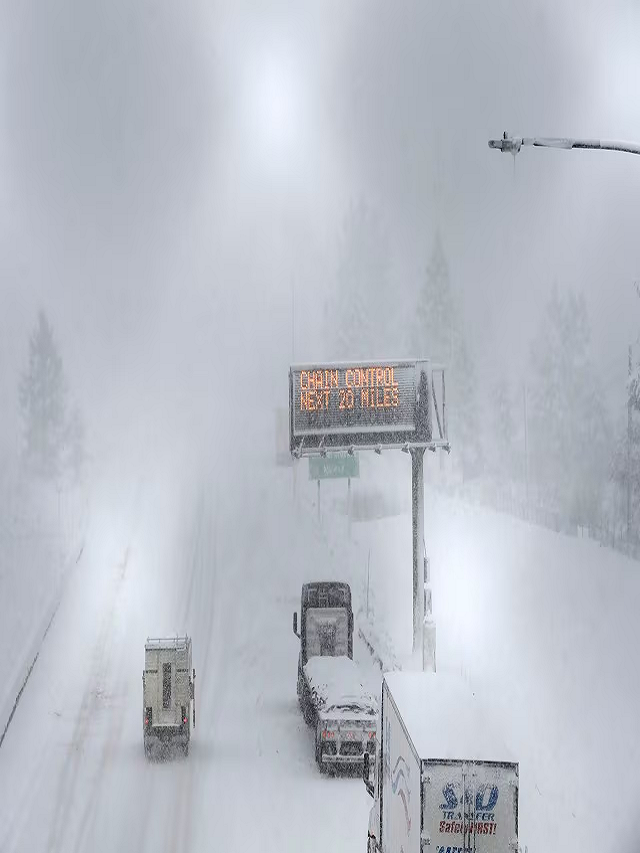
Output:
x,y
443,781
168,693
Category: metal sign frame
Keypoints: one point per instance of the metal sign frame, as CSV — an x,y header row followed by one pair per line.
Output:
x,y
283,455
427,427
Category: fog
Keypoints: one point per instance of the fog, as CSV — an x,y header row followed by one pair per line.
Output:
x,y
172,176
194,196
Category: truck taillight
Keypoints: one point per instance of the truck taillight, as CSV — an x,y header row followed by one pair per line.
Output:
x,y
372,735
327,733
148,716
185,719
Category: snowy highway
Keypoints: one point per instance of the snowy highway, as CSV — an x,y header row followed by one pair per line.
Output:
x,y
73,776
272,313
543,624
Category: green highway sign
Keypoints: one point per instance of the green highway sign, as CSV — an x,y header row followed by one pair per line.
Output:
x,y
334,465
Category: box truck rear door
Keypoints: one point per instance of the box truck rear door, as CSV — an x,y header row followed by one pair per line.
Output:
x,y
470,806
166,689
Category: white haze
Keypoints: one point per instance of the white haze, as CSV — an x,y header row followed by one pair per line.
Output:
x,y
170,174
174,180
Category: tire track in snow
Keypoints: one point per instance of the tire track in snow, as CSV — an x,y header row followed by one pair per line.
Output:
x,y
187,593
197,613
98,670
136,823
115,723
180,813
108,753
205,610
179,837
155,797
201,610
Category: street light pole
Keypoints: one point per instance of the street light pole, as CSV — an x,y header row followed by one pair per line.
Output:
x,y
513,144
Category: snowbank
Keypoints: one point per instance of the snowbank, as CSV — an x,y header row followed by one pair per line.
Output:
x,y
40,541
537,623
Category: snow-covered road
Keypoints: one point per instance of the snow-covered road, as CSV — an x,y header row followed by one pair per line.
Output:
x,y
73,776
543,624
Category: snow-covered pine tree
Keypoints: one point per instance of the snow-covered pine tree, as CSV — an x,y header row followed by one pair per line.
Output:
x,y
625,459
357,318
73,449
465,417
625,469
42,396
502,425
568,425
436,321
438,336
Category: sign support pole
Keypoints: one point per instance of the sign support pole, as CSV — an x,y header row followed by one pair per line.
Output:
x,y
293,482
338,408
428,625
417,524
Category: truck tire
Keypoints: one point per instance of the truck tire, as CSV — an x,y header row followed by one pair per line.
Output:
x,y
185,748
147,750
321,767
308,711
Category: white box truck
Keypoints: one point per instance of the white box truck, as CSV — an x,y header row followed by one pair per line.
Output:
x,y
168,690
443,781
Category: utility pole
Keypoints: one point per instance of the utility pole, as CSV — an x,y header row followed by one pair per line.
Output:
x,y
293,320
526,448
293,361
417,523
629,456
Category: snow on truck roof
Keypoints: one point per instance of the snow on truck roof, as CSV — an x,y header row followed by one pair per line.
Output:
x,y
445,719
167,643
336,679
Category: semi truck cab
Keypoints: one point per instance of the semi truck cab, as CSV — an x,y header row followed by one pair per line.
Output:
x,y
326,626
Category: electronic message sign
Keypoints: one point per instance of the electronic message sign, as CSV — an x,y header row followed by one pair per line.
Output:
x,y
372,404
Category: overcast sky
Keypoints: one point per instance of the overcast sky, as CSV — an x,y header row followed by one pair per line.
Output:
x,y
170,171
